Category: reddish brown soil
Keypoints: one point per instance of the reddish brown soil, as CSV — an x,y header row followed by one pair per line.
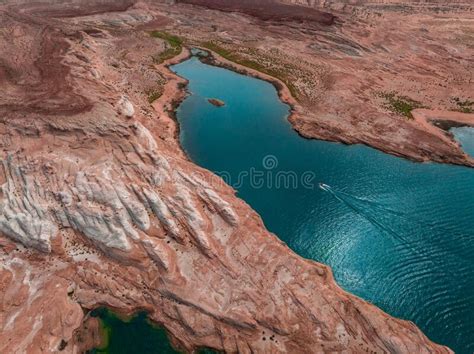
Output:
x,y
72,8
267,10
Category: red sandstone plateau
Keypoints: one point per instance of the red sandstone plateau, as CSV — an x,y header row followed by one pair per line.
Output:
x,y
100,206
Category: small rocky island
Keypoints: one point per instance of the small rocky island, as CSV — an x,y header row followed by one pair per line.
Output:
x,y
216,102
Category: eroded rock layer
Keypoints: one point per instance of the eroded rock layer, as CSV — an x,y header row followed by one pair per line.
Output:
x,y
99,207
267,10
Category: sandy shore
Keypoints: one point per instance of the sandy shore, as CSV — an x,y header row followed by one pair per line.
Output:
x,y
174,91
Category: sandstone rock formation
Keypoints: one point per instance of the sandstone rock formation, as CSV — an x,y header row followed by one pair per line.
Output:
x,y
356,80
100,207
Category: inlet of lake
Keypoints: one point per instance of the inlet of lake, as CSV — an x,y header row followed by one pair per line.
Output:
x,y
396,233
465,136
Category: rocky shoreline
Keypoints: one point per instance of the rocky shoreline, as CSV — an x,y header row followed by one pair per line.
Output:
x,y
436,120
101,207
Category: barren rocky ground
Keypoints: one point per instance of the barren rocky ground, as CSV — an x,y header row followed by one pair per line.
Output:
x,y
100,207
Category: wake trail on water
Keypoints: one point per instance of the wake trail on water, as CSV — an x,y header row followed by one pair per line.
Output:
x,y
418,261
372,220
368,209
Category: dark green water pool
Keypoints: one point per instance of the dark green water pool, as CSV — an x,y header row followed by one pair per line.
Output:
x,y
397,233
134,335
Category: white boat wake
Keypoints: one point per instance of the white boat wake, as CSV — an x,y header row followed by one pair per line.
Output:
x,y
425,245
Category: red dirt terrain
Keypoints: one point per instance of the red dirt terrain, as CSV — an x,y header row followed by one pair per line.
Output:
x,y
99,206
267,10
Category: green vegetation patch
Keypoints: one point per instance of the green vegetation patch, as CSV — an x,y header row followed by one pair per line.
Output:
x,y
464,106
400,104
173,40
174,45
235,57
153,95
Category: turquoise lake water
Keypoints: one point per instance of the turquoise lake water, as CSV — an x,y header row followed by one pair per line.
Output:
x,y
396,233
465,136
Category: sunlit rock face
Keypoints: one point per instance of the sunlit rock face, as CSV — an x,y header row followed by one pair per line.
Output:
x,y
99,206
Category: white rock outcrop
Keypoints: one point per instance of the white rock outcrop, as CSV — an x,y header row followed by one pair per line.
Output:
x,y
125,107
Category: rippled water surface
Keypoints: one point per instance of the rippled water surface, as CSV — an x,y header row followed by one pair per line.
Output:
x,y
397,233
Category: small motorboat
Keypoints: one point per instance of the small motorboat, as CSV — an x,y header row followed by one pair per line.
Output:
x,y
324,187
